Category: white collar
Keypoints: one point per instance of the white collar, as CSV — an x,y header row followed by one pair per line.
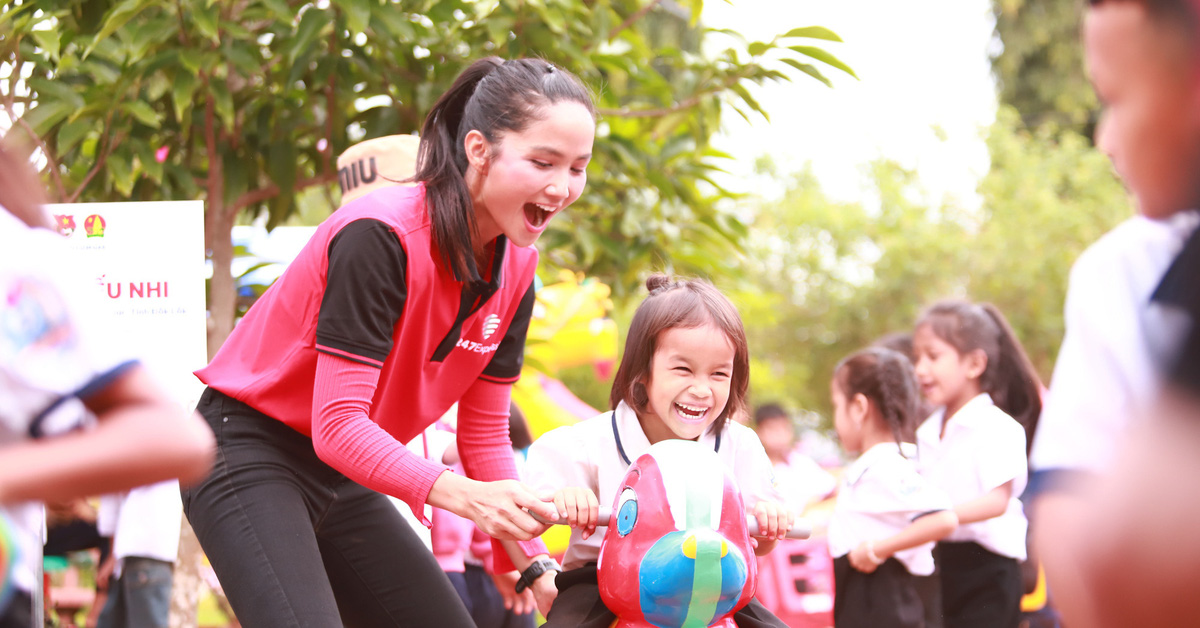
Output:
x,y
631,439
877,453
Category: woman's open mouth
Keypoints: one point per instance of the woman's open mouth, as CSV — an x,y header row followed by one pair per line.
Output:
x,y
537,215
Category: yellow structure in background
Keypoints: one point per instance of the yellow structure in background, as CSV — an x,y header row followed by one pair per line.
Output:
x,y
570,327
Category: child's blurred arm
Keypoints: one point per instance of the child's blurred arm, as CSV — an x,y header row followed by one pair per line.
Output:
x,y
991,504
142,437
928,528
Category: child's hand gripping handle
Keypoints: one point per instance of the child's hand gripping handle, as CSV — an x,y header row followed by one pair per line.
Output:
x,y
801,529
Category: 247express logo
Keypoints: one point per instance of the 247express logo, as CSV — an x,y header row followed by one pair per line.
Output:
x,y
490,325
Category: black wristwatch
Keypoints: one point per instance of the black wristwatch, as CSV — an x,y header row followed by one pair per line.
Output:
x,y
535,569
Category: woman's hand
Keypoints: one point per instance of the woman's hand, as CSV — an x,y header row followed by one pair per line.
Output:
x,y
580,507
499,508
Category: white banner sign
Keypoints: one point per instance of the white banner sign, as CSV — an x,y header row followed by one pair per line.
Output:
x,y
148,262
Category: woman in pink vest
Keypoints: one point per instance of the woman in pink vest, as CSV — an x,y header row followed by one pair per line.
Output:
x,y
404,302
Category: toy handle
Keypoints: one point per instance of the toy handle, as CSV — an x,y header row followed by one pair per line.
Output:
x,y
801,529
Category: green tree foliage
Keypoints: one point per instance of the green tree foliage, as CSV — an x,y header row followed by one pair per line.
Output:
x,y
823,278
246,103
1040,69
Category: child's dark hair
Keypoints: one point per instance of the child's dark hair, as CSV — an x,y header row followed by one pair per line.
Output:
x,y
518,428
494,97
1180,15
886,378
686,304
768,412
1009,377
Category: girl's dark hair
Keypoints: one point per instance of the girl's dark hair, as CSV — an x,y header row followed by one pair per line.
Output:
x,y
494,97
518,428
1009,376
20,191
686,304
886,378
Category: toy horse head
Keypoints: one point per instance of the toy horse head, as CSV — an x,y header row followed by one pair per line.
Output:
x,y
677,552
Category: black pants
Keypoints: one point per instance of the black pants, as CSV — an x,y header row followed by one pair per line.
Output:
x,y
980,589
579,605
484,601
19,611
885,598
295,543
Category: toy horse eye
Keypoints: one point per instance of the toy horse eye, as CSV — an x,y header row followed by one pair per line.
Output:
x,y
627,509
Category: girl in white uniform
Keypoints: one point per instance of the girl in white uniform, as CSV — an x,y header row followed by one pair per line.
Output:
x,y
887,516
974,447
685,371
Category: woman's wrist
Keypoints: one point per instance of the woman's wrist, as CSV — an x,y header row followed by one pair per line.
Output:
x,y
449,492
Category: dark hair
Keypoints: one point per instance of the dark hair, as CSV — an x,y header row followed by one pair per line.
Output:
x,y
687,304
899,341
1180,15
20,191
768,412
518,428
886,378
1009,376
494,97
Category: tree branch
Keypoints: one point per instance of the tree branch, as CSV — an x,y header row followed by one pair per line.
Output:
x,y
688,103
100,161
632,19
254,197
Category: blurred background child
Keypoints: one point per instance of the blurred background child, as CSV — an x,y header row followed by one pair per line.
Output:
x,y
801,480
887,516
56,379
970,365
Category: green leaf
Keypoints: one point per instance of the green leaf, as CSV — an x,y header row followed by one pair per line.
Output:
x,y
757,48
311,24
224,102
121,172
809,70
45,115
182,92
824,56
143,112
150,164
48,90
205,20
116,18
813,32
48,40
72,132
358,15
191,59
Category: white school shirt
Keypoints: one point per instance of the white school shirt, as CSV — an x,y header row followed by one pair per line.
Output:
x,y
49,357
1117,342
143,522
984,448
881,494
597,452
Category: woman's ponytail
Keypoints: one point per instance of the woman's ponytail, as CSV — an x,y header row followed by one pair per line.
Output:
x,y
441,163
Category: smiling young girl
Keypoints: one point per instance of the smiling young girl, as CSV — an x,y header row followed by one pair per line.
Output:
x,y
684,373
404,301
970,365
